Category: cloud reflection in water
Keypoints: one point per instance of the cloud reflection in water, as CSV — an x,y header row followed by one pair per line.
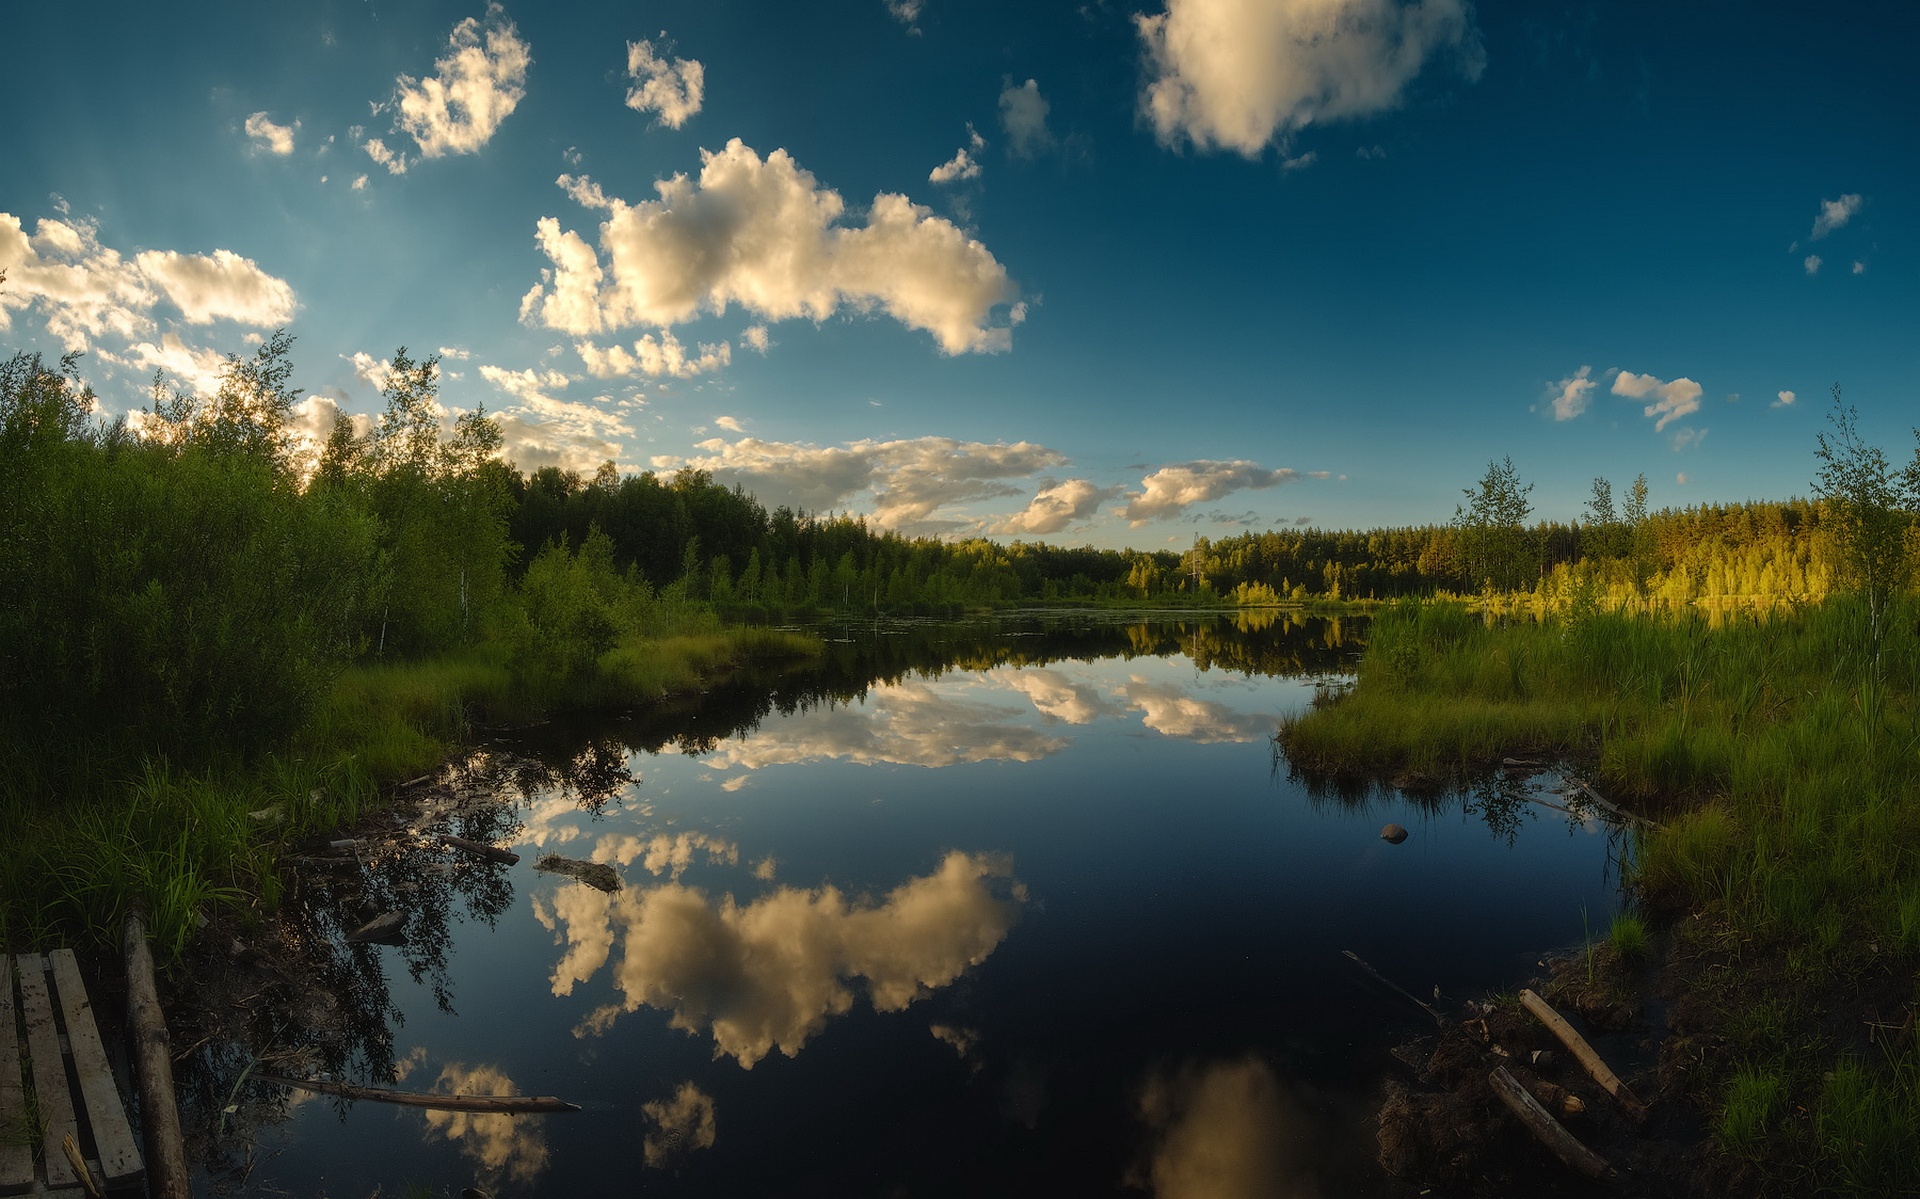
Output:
x,y
512,1146
1222,1131
768,974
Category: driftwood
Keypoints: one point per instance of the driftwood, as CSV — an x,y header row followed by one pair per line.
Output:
x,y
598,875
1618,813
382,928
1545,1129
1388,983
492,853
166,1149
496,1104
1584,1054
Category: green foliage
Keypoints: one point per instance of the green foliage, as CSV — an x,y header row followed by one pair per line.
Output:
x,y
1871,508
1496,545
1629,936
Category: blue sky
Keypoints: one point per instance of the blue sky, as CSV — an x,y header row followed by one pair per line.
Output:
x,y
1109,273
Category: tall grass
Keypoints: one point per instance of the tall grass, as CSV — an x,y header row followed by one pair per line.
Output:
x,y
1784,766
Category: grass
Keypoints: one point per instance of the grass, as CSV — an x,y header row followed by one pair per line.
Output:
x,y
1780,759
187,843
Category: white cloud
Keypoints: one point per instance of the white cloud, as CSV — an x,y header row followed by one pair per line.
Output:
x,y
1684,437
910,479
1223,1130
498,1143
196,368
671,89
1681,478
454,353
1859,267
906,11
653,357
1243,74
1571,395
473,89
1169,710
1023,114
754,337
1785,401
1812,263
1670,401
678,1126
1834,214
272,138
540,429
376,149
763,234
222,285
730,424
960,167
370,370
1055,507
769,974
359,183
85,290
1172,489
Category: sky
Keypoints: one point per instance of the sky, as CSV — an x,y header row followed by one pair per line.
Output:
x,y
1099,273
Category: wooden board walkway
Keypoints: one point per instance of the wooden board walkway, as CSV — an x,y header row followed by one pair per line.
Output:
x,y
50,1053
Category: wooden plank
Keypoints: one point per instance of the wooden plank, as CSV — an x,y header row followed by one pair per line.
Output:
x,y
1584,1054
16,1143
49,1068
112,1135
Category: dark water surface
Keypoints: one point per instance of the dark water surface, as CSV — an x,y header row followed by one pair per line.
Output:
x,y
1020,907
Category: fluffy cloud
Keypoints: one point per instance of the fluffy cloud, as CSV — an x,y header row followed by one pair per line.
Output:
x,y
769,974
763,234
269,137
730,424
1571,395
221,285
960,167
1169,710
1785,401
1023,114
513,1146
754,337
1172,489
904,724
1057,697
1859,267
198,370
906,11
473,89
670,89
1834,214
678,1126
370,370
1812,264
541,430
653,357
1223,1131
1054,508
910,478
85,290
1669,402
1242,74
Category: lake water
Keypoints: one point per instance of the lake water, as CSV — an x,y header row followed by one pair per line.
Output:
x,y
1008,907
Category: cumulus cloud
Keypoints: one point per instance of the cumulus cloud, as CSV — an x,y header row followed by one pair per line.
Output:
x,y
1056,506
1023,114
654,357
1784,401
269,137
956,169
197,369
1667,402
910,478
754,337
1170,490
372,371
1057,697
222,285
540,429
1812,264
763,234
769,974
730,424
1171,711
678,1126
1222,1131
84,290
1571,395
671,89
513,1146
1834,214
1244,74
904,724
475,87
906,11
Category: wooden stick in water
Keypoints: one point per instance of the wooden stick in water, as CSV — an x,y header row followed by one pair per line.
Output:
x,y
1388,983
1584,1054
1545,1129
500,1104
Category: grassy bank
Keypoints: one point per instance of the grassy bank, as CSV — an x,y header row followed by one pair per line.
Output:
x,y
188,841
1780,758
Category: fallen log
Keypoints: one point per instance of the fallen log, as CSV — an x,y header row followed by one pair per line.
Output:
x,y
1584,1054
1618,813
1545,1129
1388,983
384,928
598,875
493,1104
167,1176
492,853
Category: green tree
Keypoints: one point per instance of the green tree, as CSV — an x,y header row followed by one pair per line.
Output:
x,y
1869,507
1499,552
